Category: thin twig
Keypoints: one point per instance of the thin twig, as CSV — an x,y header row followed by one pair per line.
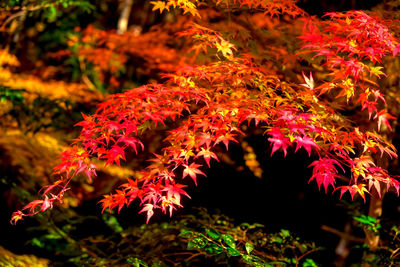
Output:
x,y
21,13
342,235
195,255
305,254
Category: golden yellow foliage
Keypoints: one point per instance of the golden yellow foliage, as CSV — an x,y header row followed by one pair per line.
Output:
x,y
250,159
33,154
7,59
34,86
9,259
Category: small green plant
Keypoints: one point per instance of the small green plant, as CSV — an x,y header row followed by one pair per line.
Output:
x,y
370,223
13,95
253,248
388,251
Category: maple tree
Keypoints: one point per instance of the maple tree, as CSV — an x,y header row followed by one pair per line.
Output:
x,y
270,67
203,106
217,74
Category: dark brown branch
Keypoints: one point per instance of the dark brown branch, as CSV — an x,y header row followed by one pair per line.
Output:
x,y
342,235
20,13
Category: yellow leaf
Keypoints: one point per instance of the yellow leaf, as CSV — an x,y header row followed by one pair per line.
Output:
x,y
159,5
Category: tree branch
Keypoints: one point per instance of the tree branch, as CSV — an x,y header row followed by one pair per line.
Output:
x,y
342,235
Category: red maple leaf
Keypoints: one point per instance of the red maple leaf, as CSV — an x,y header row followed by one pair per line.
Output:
x,y
149,209
383,117
279,140
174,193
192,170
207,155
306,142
47,203
353,189
225,138
16,216
114,155
325,172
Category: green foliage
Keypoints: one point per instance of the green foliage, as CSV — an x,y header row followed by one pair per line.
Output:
x,y
137,262
51,4
85,5
388,252
368,222
213,234
250,245
13,95
195,239
10,3
112,222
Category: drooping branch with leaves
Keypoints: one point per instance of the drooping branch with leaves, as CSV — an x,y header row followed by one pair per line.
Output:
x,y
208,106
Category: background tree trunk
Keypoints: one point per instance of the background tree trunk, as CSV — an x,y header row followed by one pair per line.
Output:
x,y
124,18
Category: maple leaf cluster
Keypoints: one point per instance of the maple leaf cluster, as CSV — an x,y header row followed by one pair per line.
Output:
x,y
187,6
275,7
210,105
350,45
108,53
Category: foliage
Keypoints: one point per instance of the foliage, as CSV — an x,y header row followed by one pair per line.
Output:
x,y
8,259
324,88
203,106
51,5
103,55
218,73
14,10
275,249
36,124
176,242
387,254
368,222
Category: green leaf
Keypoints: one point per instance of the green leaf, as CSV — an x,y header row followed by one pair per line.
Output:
x,y
244,226
213,234
285,233
276,239
254,260
303,248
395,230
52,236
309,263
51,13
213,249
280,263
137,262
233,252
365,219
185,233
229,240
256,225
197,243
249,247
370,223
112,222
36,242
157,263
